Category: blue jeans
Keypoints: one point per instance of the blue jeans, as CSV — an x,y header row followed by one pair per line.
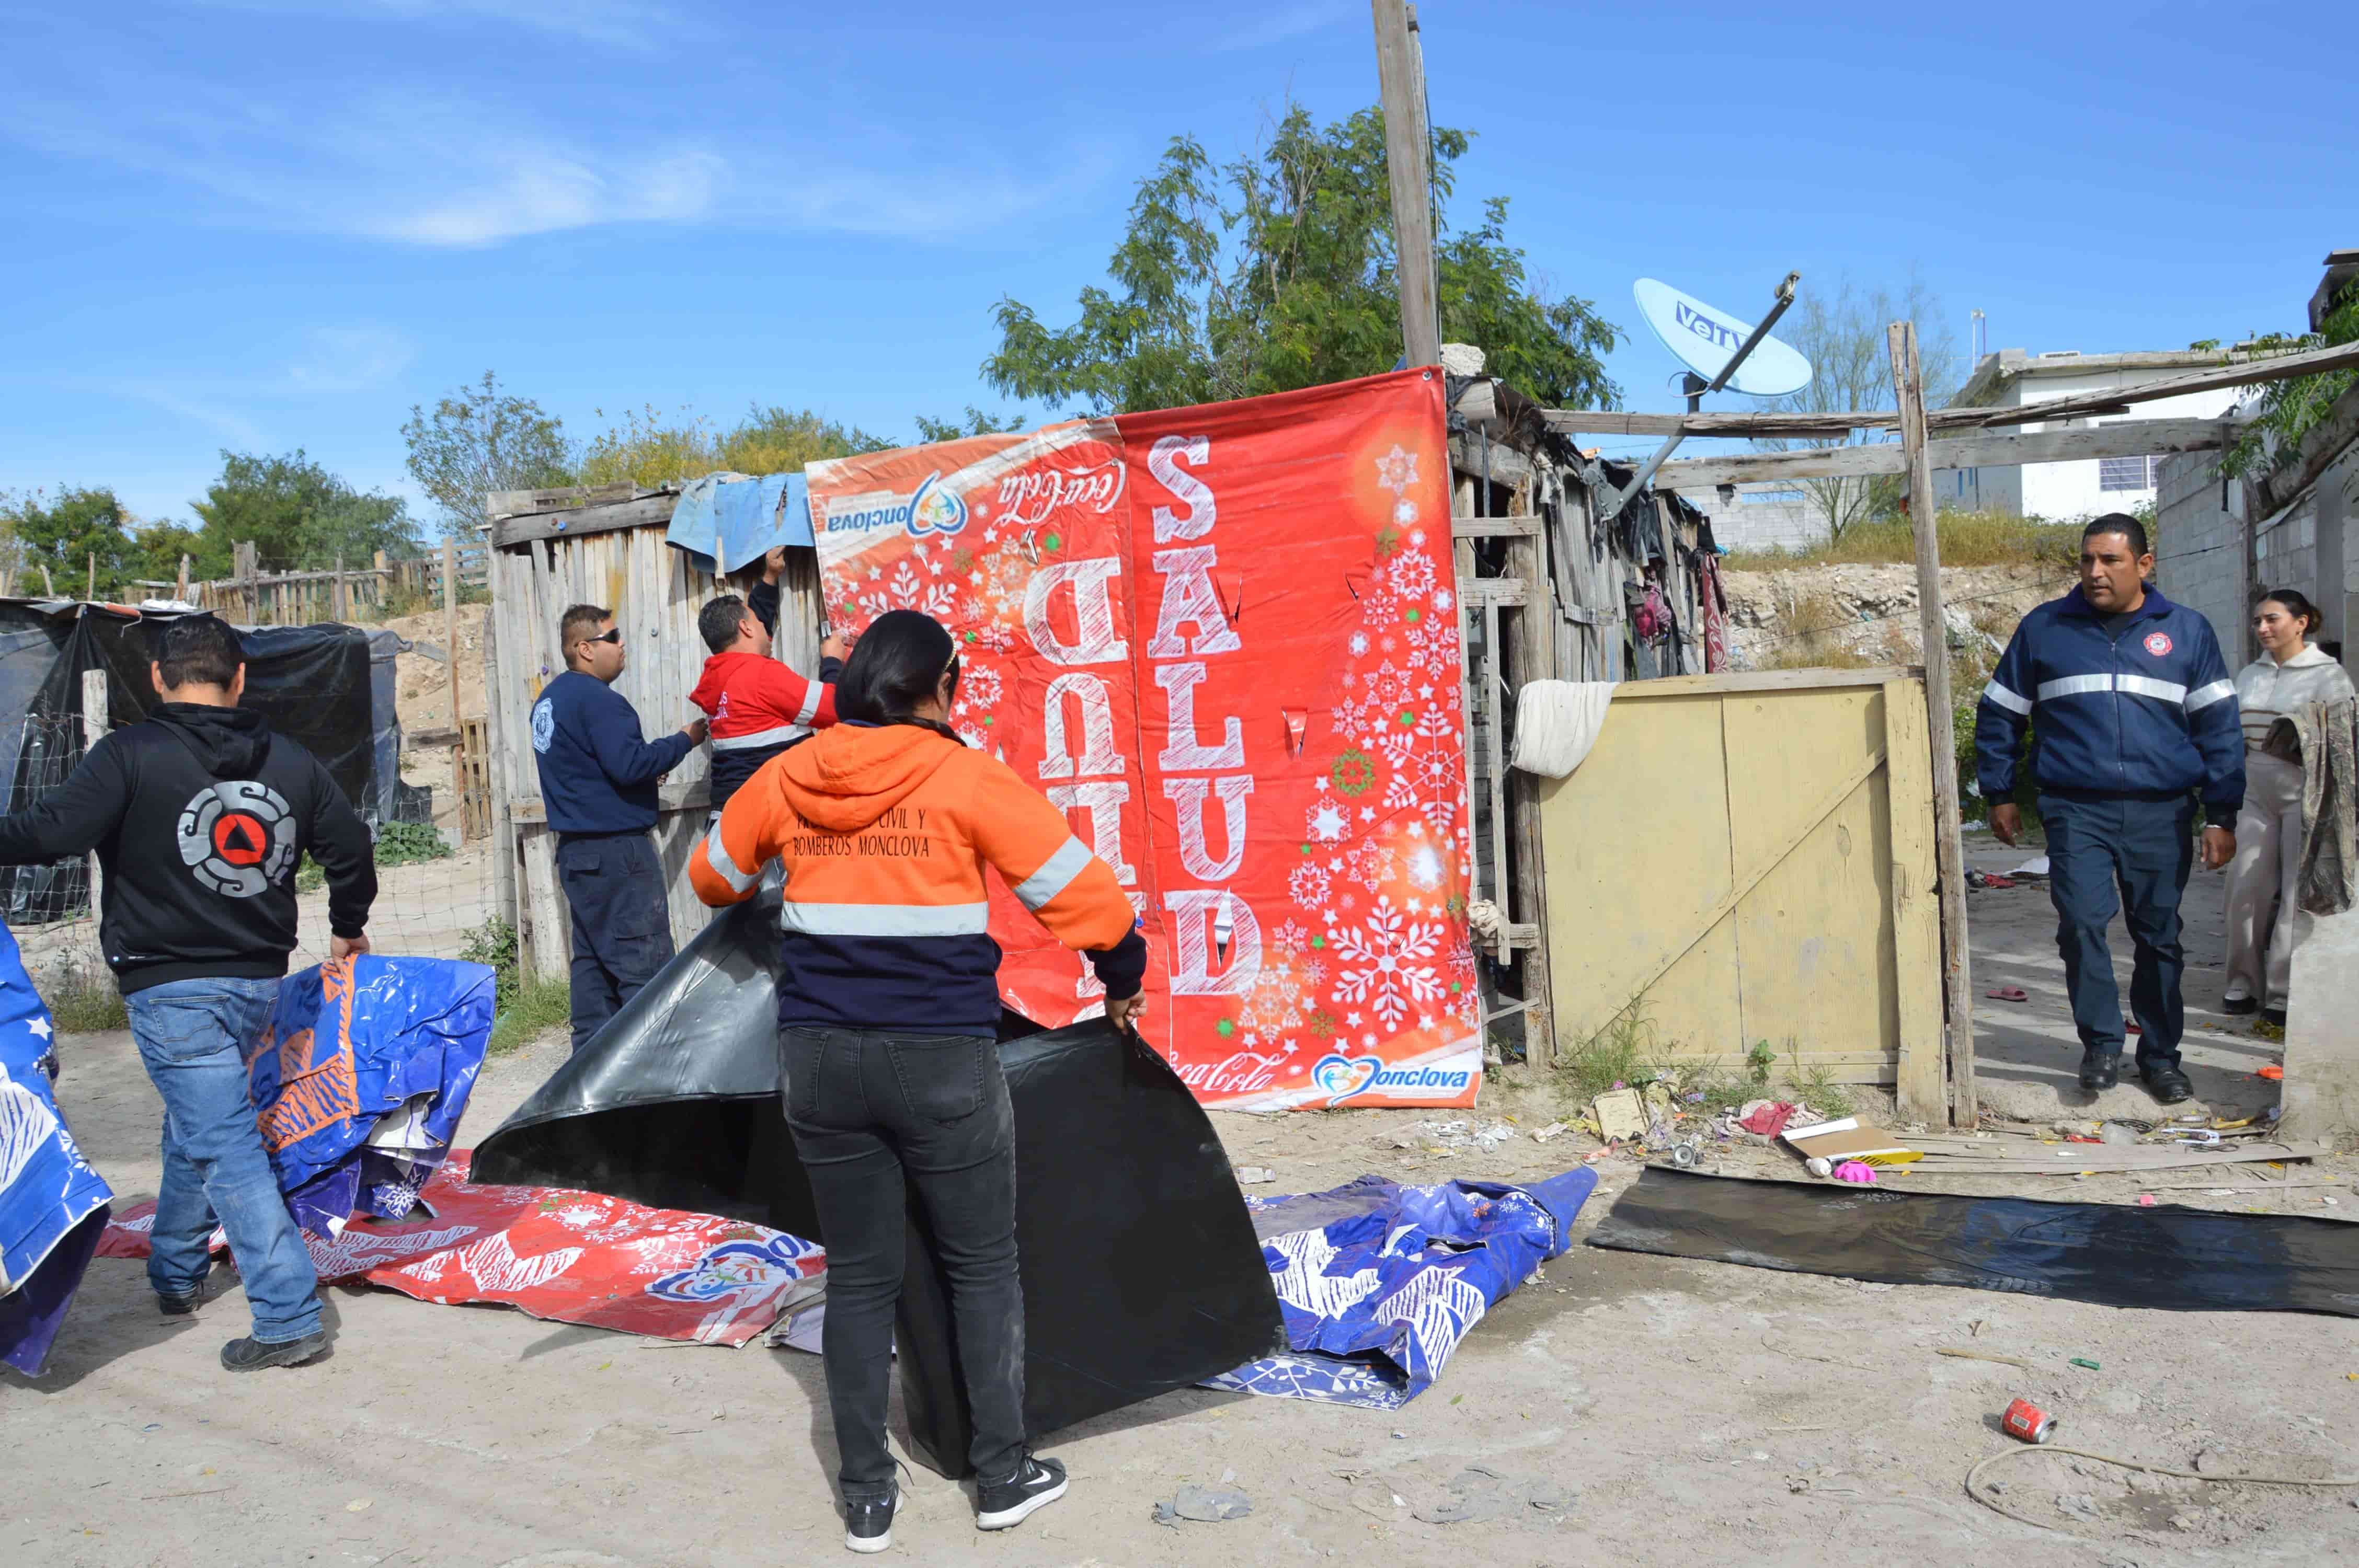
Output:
x,y
876,1114
2110,853
194,1035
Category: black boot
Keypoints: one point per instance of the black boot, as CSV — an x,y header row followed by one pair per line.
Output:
x,y
2100,1070
254,1355
2166,1084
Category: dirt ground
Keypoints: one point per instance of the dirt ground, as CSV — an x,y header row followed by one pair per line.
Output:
x,y
1699,1412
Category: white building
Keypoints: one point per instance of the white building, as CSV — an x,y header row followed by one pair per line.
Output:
x,y
2091,486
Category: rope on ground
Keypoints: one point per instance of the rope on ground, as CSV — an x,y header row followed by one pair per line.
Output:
x,y
1992,1503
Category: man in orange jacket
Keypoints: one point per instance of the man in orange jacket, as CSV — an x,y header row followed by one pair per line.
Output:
x,y
758,706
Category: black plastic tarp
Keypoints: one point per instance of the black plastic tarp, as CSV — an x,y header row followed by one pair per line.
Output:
x,y
328,687
2169,1257
1142,1272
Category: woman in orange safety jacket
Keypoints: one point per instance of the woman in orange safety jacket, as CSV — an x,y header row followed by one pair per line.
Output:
x,y
888,1012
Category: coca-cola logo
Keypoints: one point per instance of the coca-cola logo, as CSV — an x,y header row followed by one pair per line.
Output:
x,y
1031,495
1243,1073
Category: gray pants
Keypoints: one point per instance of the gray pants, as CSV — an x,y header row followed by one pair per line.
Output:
x,y
2261,879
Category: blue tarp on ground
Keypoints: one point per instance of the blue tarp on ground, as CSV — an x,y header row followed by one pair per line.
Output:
x,y
52,1205
1379,1282
361,1078
734,521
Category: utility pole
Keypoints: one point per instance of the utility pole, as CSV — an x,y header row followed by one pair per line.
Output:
x,y
1949,853
1400,75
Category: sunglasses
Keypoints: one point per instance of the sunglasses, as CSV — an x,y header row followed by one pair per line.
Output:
x,y
612,634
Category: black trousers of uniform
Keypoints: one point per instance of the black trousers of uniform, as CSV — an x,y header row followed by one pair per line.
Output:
x,y
622,923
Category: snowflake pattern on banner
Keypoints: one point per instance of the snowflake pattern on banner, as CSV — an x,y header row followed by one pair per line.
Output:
x,y
1350,937
1376,1303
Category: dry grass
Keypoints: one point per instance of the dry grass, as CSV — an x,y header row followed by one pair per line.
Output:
x,y
1968,539
1818,634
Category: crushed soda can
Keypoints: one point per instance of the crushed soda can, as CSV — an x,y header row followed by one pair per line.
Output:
x,y
2029,1422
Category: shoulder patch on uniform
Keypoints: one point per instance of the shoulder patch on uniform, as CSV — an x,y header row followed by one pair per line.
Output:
x,y
2158,644
544,724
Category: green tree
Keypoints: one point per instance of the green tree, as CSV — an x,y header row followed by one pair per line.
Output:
x,y
1279,271
298,515
480,440
2289,409
976,423
647,448
66,535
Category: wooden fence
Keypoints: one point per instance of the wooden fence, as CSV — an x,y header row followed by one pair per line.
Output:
x,y
256,598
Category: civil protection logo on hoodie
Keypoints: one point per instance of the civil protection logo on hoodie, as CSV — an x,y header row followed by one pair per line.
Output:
x,y
237,837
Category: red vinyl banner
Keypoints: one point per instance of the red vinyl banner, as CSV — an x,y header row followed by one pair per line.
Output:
x,y
1225,641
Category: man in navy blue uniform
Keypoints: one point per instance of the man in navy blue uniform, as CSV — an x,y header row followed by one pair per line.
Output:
x,y
598,781
2137,717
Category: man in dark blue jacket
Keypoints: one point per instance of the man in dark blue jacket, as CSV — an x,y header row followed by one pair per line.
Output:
x,y
2137,722
598,781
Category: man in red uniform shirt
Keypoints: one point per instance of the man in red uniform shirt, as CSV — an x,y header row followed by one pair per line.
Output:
x,y
758,707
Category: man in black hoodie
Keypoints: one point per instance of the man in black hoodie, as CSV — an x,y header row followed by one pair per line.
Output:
x,y
200,816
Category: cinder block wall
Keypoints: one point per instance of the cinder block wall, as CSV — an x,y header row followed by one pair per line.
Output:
x,y
2195,557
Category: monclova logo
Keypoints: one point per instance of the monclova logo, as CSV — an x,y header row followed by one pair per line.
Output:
x,y
933,509
1341,1077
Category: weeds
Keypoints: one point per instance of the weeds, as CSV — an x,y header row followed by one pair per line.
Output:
x,y
1967,539
398,844
1621,1052
81,995
522,1007
537,1005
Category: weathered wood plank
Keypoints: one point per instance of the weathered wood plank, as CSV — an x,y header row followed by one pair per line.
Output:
x,y
2248,373
1949,852
563,498
1400,83
1524,527
1916,907
1485,591
2127,438
1759,680
510,532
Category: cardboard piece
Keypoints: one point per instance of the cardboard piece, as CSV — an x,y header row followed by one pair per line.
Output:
x,y
1621,1114
1851,1140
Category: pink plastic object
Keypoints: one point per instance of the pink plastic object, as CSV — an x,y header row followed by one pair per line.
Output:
x,y
2145,1200
1855,1170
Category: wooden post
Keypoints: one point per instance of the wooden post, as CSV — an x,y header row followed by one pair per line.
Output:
x,y
2243,527
1949,852
180,589
450,674
1400,76
90,593
245,569
93,725
48,583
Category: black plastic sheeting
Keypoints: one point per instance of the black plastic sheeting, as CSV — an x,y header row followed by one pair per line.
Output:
x,y
329,687
1142,1272
2169,1256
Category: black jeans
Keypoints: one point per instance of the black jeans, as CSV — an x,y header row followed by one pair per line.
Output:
x,y
622,924
874,1114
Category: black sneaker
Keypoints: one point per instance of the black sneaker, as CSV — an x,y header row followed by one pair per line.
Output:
x,y
868,1527
2240,1006
2168,1085
254,1355
179,1307
1001,1505
2100,1070
2273,1015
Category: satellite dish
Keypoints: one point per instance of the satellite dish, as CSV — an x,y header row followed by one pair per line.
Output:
x,y
1705,340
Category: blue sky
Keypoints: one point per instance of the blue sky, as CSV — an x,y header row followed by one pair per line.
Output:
x,y
266,224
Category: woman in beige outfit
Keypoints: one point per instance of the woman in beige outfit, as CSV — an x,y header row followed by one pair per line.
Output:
x,y
2289,673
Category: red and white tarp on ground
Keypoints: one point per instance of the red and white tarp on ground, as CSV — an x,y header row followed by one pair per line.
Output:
x,y
1225,640
571,1257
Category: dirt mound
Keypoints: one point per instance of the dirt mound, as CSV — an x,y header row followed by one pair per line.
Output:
x,y
1853,614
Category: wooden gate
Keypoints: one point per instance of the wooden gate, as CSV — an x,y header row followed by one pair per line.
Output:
x,y
1749,858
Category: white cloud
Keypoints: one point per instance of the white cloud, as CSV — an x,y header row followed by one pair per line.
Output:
x,y
349,358
1289,22
436,170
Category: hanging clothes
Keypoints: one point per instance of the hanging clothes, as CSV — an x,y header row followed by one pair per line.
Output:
x,y
1715,612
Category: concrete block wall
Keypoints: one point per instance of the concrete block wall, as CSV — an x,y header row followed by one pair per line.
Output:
x,y
2195,555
